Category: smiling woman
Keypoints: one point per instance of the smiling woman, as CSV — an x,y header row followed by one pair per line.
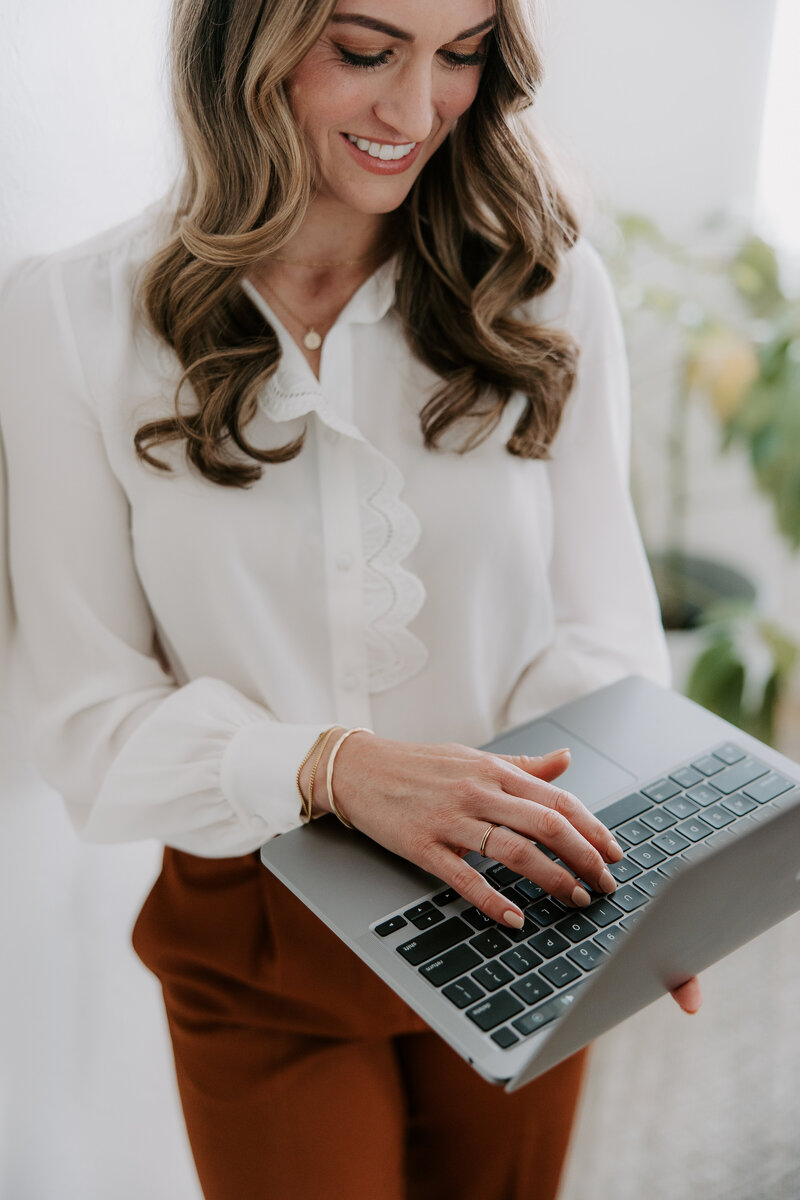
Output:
x,y
344,415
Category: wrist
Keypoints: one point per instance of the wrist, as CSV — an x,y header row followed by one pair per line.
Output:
x,y
319,800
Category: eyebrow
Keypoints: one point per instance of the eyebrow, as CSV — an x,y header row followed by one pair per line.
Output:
x,y
401,34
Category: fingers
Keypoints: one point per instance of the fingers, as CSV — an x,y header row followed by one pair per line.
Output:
x,y
523,856
688,996
518,783
545,766
470,884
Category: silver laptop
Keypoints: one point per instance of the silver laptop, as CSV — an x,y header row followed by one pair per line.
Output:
x,y
709,822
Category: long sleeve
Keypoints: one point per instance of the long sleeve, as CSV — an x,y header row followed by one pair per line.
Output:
x,y
606,613
201,766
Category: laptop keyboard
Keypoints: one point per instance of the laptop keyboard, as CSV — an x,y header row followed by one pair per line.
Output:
x,y
511,982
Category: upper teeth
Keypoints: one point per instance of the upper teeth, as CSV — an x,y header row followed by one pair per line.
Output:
x,y
383,150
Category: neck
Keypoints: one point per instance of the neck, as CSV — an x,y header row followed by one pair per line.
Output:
x,y
334,236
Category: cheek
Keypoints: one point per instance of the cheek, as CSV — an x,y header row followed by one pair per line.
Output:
x,y
459,95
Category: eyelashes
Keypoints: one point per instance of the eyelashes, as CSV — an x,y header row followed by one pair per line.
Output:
x,y
371,62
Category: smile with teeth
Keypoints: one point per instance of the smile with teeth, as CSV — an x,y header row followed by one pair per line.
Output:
x,y
383,150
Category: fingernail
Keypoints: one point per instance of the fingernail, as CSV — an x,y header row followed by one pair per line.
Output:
x,y
514,919
614,853
607,881
555,753
581,898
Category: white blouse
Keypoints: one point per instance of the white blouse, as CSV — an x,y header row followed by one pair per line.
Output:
x,y
431,596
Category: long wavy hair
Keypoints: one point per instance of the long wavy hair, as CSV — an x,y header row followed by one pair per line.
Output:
x,y
481,232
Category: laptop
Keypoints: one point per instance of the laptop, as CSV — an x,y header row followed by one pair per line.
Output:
x,y
709,822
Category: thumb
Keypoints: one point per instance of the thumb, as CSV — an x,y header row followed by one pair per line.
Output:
x,y
543,766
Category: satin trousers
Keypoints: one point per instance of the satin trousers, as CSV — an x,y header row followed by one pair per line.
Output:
x,y
303,1077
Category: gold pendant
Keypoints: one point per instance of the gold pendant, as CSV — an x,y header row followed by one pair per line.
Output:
x,y
312,340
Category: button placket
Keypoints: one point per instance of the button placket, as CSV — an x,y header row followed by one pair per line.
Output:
x,y
342,540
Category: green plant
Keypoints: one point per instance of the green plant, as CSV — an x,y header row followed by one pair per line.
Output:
x,y
735,335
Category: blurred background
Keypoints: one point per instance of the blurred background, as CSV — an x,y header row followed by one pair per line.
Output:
x,y
679,125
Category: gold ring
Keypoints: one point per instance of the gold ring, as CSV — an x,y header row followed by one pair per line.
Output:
x,y
482,850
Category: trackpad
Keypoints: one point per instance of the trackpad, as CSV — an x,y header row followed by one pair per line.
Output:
x,y
590,776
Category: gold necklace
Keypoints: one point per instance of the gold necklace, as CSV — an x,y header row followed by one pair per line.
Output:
x,y
311,339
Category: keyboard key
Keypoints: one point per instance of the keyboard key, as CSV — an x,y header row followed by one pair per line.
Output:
x,y
694,829
717,816
532,988
670,841
395,923
734,779
623,810
631,922
492,976
423,915
494,1011
504,1037
476,918
722,838
446,897
520,959
659,819
768,788
464,992
662,789
647,855
708,765
697,851
501,876
548,943
651,882
635,832
560,971
531,890
490,942
521,935
515,896
609,939
576,928
543,1015
671,867
545,912
448,966
729,753
704,794
686,776
738,803
786,800
681,806
587,956
624,869
435,941
628,898
603,912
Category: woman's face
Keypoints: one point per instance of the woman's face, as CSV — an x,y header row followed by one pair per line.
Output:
x,y
381,89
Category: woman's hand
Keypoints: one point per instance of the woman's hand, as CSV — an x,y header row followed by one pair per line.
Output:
x,y
432,804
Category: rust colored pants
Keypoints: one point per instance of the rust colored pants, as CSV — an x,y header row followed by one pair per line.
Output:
x,y
303,1077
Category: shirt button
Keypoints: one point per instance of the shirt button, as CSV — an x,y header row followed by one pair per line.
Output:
x,y
331,436
344,561
350,681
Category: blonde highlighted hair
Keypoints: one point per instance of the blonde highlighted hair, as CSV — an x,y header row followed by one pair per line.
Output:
x,y
480,233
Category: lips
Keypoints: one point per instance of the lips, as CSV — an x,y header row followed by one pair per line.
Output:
x,y
381,158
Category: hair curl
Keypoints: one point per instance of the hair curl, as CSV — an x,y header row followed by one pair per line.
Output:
x,y
480,233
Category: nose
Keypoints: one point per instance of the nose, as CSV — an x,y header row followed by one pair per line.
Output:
x,y
409,106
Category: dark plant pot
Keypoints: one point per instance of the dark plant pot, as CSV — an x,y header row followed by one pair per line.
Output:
x,y
688,586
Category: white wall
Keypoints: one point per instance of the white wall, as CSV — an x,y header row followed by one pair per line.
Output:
x,y
659,99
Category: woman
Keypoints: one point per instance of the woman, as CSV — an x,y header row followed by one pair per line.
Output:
x,y
336,439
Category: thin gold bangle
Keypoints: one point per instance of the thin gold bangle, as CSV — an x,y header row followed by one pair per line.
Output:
x,y
314,745
317,761
329,776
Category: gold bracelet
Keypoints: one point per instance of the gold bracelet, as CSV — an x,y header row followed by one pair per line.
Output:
x,y
317,761
329,777
314,745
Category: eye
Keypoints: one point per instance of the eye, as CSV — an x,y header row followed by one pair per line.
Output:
x,y
365,62
464,60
